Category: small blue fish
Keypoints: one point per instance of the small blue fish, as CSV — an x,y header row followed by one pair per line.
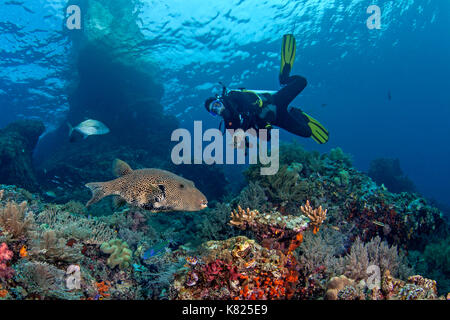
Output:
x,y
138,267
155,250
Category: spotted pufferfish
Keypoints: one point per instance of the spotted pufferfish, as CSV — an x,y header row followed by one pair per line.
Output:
x,y
151,189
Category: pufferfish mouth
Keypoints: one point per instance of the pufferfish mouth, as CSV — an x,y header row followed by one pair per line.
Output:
x,y
204,204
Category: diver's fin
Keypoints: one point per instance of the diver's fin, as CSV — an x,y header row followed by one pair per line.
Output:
x,y
97,192
319,133
121,168
288,49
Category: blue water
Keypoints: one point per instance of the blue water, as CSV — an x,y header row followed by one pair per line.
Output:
x,y
197,43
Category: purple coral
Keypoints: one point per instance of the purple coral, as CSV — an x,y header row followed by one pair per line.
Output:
x,y
5,255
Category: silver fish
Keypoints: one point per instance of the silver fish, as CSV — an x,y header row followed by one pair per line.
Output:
x,y
88,128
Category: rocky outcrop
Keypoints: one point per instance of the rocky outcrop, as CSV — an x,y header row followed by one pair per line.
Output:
x,y
17,142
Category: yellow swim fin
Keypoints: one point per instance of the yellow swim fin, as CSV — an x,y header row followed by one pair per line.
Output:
x,y
319,133
288,49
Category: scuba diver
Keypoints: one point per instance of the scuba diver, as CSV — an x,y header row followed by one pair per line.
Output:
x,y
260,109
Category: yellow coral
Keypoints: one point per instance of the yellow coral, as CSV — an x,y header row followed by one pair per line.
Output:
x,y
121,254
240,217
317,216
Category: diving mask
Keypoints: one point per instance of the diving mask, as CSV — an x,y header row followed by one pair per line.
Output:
x,y
216,107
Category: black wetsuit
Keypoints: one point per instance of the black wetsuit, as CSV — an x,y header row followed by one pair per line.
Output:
x,y
243,109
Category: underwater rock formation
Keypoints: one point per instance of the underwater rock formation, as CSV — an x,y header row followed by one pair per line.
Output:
x,y
388,172
117,84
17,142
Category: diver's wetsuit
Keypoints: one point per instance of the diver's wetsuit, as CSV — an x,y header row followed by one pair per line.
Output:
x,y
244,111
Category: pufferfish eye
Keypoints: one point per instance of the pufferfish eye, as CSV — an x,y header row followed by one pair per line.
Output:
x,y
181,185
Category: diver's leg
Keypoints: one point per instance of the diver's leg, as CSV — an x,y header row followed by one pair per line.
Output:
x,y
285,95
293,121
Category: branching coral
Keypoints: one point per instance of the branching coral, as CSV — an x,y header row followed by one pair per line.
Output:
x,y
15,221
242,218
317,216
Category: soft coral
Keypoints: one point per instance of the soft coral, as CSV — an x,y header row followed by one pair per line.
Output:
x,y
5,255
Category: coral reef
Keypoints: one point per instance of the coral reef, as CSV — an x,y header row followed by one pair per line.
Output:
x,y
237,268
272,229
415,288
339,237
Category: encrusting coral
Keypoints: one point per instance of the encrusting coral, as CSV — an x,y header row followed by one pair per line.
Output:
x,y
120,253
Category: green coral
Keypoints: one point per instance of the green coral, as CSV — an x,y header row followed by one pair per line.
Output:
x,y
338,155
120,253
344,177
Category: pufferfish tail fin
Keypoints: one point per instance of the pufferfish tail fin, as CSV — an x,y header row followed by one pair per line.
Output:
x,y
98,192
